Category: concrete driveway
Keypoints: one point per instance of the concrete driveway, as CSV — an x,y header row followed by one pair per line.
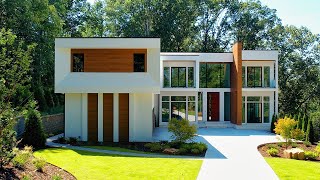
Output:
x,y
232,153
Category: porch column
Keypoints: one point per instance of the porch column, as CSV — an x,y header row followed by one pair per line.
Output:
x,y
221,106
131,117
204,114
84,123
100,117
115,117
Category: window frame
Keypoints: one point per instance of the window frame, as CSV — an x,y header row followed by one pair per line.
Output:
x,y
185,77
72,62
144,62
254,76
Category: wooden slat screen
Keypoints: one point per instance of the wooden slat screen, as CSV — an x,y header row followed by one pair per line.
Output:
x,y
92,117
123,117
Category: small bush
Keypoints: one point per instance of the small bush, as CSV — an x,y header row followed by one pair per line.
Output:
x,y
273,152
286,127
21,159
72,140
33,133
187,146
154,147
183,151
310,155
269,146
26,177
39,163
200,146
61,140
281,144
181,129
307,143
195,151
56,177
273,121
294,145
318,148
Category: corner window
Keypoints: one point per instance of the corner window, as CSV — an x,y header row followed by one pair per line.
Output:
x,y
139,62
78,62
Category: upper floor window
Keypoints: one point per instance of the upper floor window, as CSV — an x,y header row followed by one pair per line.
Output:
x,y
78,62
139,62
214,75
254,75
178,77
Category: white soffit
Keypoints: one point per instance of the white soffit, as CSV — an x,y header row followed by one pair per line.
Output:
x,y
259,55
104,43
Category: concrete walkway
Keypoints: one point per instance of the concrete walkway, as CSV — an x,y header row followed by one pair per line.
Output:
x,y
232,153
50,143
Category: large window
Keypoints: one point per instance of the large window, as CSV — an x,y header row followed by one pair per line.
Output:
x,y
254,75
180,107
78,62
214,75
178,77
266,109
254,108
190,77
227,106
266,76
166,77
138,62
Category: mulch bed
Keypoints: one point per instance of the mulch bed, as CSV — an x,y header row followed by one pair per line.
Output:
x,y
263,149
49,171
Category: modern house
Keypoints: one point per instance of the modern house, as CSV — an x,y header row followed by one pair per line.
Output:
x,y
120,89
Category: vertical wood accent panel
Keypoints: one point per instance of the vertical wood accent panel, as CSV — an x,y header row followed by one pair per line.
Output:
x,y
93,117
123,117
236,84
110,60
108,117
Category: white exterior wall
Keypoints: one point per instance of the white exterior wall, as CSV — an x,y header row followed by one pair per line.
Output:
x,y
73,115
140,120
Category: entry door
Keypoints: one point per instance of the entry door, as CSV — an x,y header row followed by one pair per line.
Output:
x,y
213,106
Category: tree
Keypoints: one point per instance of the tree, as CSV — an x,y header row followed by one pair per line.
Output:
x,y
286,127
310,132
15,92
181,129
273,123
33,133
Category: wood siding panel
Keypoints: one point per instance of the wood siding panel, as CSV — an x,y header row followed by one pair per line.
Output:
x,y
123,117
108,117
93,117
109,60
236,85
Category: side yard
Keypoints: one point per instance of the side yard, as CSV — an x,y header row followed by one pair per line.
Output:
x,y
89,165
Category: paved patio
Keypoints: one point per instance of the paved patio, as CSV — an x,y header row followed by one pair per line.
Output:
x,y
232,153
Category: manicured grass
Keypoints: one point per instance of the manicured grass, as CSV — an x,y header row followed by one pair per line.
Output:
x,y
295,169
89,165
116,149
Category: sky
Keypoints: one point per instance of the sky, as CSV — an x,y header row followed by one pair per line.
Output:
x,y
295,12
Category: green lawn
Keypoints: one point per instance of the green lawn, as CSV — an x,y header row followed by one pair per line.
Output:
x,y
295,169
89,165
116,149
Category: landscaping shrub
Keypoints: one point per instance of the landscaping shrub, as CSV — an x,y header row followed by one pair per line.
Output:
x,y
269,146
273,121
182,130
318,148
33,133
72,140
310,155
315,117
304,123
21,158
299,125
273,152
56,177
310,132
307,143
294,145
39,163
281,144
61,140
7,137
183,151
200,146
195,151
154,147
286,127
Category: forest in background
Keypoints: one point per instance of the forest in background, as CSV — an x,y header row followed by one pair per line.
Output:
x,y
29,27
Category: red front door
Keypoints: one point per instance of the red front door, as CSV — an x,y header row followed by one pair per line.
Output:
x,y
213,106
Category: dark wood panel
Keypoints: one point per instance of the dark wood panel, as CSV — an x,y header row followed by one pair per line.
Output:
x,y
108,117
93,117
123,117
109,60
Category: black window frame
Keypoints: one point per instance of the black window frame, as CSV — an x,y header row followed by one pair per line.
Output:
x,y
135,58
74,69
254,76
221,81
185,77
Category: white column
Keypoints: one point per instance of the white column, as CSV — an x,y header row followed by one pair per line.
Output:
x,y
221,106
196,110
84,122
204,114
115,117
100,117
197,74
277,88
131,117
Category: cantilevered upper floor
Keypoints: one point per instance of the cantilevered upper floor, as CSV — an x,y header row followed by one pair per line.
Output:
x,y
107,65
